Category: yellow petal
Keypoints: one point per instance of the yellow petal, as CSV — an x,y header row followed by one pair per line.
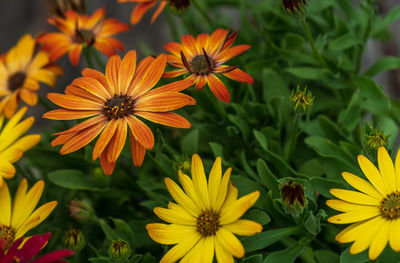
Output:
x,y
24,206
214,182
7,138
230,243
188,186
36,218
364,240
200,180
11,155
194,255
373,175
222,255
14,120
45,76
386,168
379,241
244,227
343,206
180,250
175,216
355,216
361,185
226,191
397,169
208,250
24,50
27,142
181,198
7,170
235,210
355,197
394,236
40,60
354,231
169,234
5,205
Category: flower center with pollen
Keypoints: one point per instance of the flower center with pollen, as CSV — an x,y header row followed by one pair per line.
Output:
x,y
390,206
200,65
7,236
83,36
118,107
16,81
207,223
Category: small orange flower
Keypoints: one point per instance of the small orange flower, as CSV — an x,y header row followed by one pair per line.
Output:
x,y
79,31
20,74
204,57
114,101
142,7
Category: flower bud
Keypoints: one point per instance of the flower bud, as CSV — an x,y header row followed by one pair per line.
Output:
x,y
182,163
293,197
74,239
295,7
302,100
119,250
376,139
81,210
58,8
179,6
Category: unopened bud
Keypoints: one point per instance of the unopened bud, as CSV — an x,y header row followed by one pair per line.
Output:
x,y
119,250
179,6
81,210
376,139
74,239
293,197
295,7
302,100
182,163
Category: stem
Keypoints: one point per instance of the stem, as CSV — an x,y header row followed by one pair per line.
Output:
x,y
97,58
88,58
203,12
310,39
294,136
45,104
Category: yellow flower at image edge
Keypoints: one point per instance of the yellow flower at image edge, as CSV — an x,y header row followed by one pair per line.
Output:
x,y
374,210
12,145
204,218
18,218
20,73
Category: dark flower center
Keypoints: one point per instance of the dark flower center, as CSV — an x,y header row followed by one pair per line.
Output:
x,y
84,36
390,206
118,107
16,81
208,223
200,65
7,236
293,193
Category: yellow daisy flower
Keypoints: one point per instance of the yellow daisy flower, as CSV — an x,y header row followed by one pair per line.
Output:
x,y
374,209
12,145
204,218
18,218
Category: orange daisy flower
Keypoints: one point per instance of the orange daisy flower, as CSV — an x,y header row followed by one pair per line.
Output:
x,y
114,101
204,57
79,31
142,7
20,74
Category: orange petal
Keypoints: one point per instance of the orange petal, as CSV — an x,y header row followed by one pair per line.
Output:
x,y
78,92
141,69
172,87
216,41
92,86
166,101
108,167
231,53
75,54
165,118
104,138
141,132
174,48
117,142
201,82
30,97
239,75
84,125
218,88
73,102
127,71
108,45
64,114
175,73
112,70
91,73
189,45
62,139
83,138
202,41
137,151
139,11
158,11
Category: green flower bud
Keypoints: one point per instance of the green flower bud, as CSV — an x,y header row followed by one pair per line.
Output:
x,y
295,7
81,211
302,100
119,250
376,139
182,163
294,200
74,239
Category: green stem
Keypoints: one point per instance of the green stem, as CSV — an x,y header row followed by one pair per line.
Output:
x,y
310,39
45,104
172,27
294,136
156,163
94,53
203,12
86,53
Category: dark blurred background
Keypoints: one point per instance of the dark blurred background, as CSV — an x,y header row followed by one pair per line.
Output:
x,y
18,17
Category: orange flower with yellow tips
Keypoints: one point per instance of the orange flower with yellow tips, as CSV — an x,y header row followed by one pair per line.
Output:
x,y
20,216
114,102
79,31
20,73
204,58
142,7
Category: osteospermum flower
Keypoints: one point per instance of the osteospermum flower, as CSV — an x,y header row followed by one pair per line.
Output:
x,y
79,31
142,7
204,218
374,209
114,102
12,142
18,217
20,73
204,57
25,252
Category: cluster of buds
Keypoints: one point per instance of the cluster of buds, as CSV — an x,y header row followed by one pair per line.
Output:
x,y
302,100
293,197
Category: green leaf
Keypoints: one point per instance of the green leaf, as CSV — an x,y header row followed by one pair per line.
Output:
x,y
217,149
287,255
262,140
346,257
267,238
308,73
391,17
258,216
190,143
71,179
383,65
375,100
267,177
124,231
241,124
253,259
100,260
323,185
273,85
326,256
135,259
292,41
343,42
110,234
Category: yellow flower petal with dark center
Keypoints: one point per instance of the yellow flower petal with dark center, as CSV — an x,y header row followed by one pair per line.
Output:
x,y
374,211
204,218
